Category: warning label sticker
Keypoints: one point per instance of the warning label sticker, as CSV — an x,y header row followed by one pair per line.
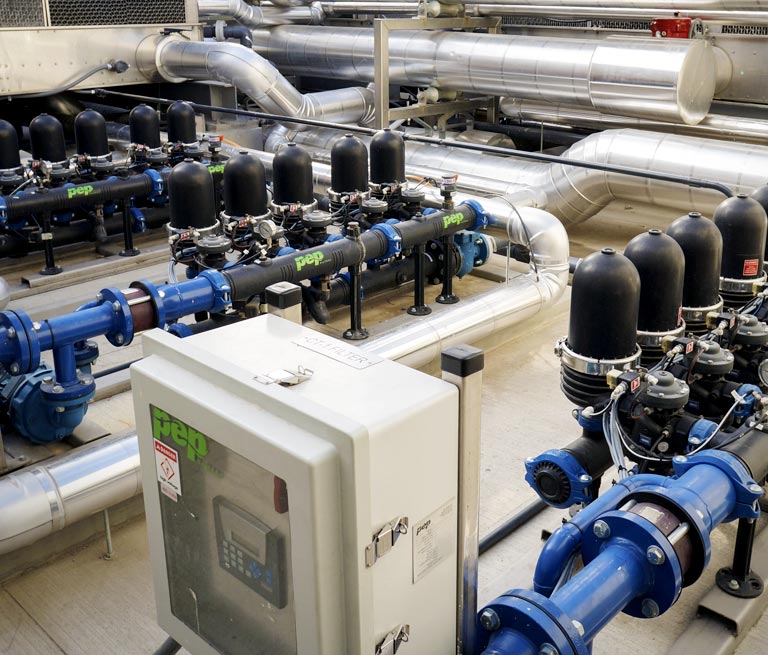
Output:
x,y
434,540
167,466
751,266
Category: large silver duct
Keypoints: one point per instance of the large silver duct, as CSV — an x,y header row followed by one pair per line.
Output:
x,y
576,194
40,500
643,4
715,126
175,59
667,79
45,498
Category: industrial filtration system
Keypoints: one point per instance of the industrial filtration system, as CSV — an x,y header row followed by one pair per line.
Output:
x,y
310,495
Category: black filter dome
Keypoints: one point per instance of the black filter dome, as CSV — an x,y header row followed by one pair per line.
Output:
x,y
245,186
190,195
181,123
9,146
761,195
292,176
743,223
349,165
47,138
144,126
661,264
91,134
605,300
387,157
702,246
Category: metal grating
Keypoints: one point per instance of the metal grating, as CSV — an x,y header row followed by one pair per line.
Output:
x,y
116,12
752,30
600,23
21,13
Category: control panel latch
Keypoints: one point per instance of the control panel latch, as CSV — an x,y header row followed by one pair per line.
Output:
x,y
385,539
392,642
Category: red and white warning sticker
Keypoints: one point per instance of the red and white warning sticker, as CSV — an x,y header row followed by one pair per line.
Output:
x,y
751,266
167,466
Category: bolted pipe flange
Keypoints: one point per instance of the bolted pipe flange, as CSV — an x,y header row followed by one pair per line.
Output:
x,y
490,620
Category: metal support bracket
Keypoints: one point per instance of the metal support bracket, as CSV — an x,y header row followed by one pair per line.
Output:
x,y
392,642
385,539
381,29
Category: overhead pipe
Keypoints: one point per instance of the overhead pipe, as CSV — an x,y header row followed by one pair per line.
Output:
x,y
714,126
704,5
671,79
174,59
255,16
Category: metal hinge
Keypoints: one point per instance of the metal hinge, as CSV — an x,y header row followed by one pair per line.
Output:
x,y
385,539
392,642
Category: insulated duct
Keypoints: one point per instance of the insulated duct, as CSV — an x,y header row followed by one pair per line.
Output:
x,y
667,79
38,501
714,126
576,194
176,59
253,16
640,4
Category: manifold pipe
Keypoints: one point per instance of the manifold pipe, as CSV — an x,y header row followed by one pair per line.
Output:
x,y
40,500
576,194
175,59
253,16
668,79
417,343
714,126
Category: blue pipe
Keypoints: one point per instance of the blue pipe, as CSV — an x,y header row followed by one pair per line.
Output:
x,y
630,564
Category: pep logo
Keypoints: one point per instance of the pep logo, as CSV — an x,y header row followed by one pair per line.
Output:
x,y
453,219
216,168
84,190
423,526
310,259
187,438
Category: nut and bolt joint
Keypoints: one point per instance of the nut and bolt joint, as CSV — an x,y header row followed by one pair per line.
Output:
x,y
601,530
548,649
655,555
490,620
650,608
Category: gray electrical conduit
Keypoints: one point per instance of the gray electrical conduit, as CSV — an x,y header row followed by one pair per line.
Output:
x,y
45,498
662,79
175,59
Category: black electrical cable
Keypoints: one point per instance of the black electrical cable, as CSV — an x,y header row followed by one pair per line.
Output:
x,y
114,369
475,147
118,66
517,520
169,647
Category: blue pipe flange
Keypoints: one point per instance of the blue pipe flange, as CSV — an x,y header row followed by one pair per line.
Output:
x,y
394,241
86,353
475,249
156,296
589,423
158,186
571,474
535,617
222,298
40,417
121,333
748,492
665,576
481,216
21,339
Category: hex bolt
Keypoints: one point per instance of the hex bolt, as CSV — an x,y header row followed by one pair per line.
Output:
x,y
585,479
490,620
579,627
119,339
655,555
11,332
60,409
47,380
15,368
755,488
548,649
116,306
601,530
733,584
57,388
36,326
650,608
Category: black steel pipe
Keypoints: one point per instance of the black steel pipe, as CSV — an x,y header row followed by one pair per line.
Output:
x,y
517,520
334,256
522,154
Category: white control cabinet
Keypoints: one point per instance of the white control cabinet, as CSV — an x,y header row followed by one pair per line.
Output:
x,y
300,494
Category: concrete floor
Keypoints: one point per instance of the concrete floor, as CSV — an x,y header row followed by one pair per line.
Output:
x,y
81,604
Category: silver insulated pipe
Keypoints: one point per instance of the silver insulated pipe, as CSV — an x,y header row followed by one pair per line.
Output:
x,y
175,59
663,79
